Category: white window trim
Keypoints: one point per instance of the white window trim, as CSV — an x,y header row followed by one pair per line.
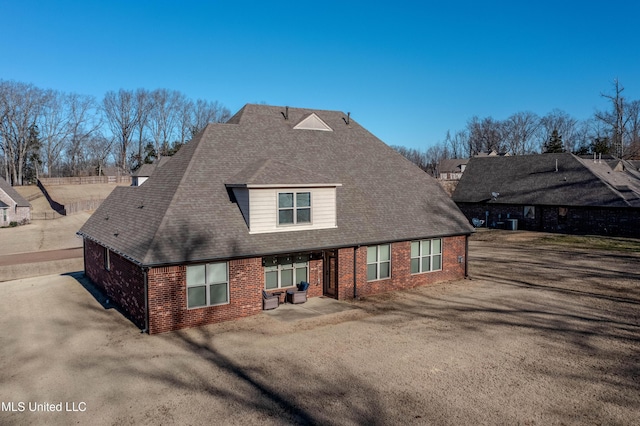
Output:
x,y
378,262
295,208
207,286
431,255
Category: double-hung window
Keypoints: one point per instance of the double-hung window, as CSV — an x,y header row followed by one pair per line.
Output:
x,y
286,272
207,285
378,262
426,255
294,208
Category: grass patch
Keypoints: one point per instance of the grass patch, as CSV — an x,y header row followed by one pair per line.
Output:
x,y
593,242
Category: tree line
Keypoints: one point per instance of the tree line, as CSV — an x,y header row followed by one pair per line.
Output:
x,y
45,132
614,131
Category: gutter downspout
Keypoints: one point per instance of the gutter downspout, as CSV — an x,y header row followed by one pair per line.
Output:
x,y
466,256
84,256
355,269
146,299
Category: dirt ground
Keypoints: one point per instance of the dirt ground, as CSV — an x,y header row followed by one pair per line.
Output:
x,y
42,235
537,335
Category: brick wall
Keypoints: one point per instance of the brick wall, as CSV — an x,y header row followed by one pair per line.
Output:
x,y
401,277
315,278
168,297
167,293
123,284
624,222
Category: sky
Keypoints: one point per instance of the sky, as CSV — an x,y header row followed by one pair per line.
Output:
x,y
408,71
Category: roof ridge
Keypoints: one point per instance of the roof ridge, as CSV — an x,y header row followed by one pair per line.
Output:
x,y
602,179
184,176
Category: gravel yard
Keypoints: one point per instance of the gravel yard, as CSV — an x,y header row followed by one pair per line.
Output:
x,y
540,334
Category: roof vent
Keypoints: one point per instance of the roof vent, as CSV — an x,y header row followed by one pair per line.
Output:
x,y
313,122
285,114
348,119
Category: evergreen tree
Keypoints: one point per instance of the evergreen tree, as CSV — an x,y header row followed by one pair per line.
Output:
x,y
554,144
601,146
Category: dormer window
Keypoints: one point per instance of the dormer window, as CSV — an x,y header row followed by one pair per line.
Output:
x,y
294,208
277,197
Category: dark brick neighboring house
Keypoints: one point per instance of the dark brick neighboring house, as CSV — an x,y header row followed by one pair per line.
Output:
x,y
13,206
553,193
273,197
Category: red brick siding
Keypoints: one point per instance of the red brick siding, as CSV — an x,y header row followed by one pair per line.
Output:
x,y
401,277
168,311
315,278
123,284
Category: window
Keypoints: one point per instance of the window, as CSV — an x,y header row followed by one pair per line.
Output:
x,y
286,271
106,259
426,255
378,262
529,212
294,208
562,214
4,215
207,285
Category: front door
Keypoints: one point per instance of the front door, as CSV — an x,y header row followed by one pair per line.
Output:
x,y
330,286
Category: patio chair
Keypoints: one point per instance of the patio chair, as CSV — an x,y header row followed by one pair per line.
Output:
x,y
299,295
269,301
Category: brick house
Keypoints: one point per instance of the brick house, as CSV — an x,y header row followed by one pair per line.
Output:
x,y
553,193
273,197
13,206
452,168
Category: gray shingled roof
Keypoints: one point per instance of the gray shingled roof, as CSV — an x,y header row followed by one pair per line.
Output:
x,y
13,194
147,170
271,172
533,179
184,212
452,165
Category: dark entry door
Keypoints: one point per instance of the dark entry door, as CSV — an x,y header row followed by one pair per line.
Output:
x,y
330,286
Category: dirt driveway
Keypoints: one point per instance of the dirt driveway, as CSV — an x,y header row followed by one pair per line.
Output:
x,y
539,335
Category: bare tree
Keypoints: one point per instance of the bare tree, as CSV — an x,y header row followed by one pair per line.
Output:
x,y
415,156
98,149
565,126
433,156
53,130
457,144
144,104
122,116
83,122
21,107
615,119
633,129
519,132
164,117
485,135
205,112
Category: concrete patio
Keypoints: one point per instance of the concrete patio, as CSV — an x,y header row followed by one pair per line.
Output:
x,y
313,307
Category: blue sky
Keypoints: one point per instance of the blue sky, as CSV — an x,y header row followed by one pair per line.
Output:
x,y
406,70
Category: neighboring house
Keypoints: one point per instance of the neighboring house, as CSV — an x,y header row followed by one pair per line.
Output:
x,y
552,192
13,206
452,168
492,153
145,171
271,198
